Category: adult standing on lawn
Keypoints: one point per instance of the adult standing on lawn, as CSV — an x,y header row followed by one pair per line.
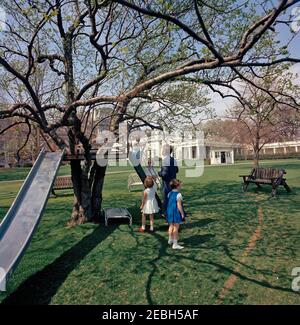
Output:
x,y
168,172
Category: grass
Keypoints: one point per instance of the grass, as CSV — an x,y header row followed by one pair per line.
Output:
x,y
13,174
91,264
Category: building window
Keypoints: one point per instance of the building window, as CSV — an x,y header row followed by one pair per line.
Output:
x,y
217,154
228,155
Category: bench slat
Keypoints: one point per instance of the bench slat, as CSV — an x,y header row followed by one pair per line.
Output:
x,y
63,182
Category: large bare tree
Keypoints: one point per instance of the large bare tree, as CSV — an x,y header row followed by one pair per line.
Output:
x,y
110,54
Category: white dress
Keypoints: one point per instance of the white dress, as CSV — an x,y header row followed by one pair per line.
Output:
x,y
151,205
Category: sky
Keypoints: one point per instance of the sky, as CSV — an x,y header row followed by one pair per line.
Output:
x,y
220,105
2,19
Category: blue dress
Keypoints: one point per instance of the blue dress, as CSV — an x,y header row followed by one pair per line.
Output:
x,y
168,172
173,214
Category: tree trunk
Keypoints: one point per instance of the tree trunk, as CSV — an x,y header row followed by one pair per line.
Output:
x,y
256,152
97,182
88,182
88,185
82,211
256,149
256,159
87,193
82,208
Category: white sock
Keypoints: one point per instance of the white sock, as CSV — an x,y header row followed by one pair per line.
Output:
x,y
151,228
144,227
170,240
175,242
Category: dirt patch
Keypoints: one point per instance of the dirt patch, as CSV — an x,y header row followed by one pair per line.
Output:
x,y
251,243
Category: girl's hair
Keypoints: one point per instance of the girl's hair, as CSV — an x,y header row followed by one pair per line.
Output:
x,y
149,182
174,183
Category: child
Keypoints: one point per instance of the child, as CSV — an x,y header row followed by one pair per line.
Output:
x,y
149,204
175,213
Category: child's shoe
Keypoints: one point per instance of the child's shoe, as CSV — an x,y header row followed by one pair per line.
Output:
x,y
141,229
177,246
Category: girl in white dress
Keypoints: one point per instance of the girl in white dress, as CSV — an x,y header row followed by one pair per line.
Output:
x,y
149,204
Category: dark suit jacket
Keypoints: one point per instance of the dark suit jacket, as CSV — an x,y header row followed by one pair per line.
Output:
x,y
168,170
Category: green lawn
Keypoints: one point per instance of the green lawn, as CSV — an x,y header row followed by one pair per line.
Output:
x,y
12,174
91,264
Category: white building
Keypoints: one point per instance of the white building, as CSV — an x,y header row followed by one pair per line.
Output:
x,y
281,148
220,153
214,153
151,143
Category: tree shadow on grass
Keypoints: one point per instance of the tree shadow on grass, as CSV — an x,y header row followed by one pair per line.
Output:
x,y
226,197
189,224
43,285
232,271
235,212
197,241
179,258
162,252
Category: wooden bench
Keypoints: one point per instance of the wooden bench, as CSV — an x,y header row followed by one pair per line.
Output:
x,y
270,176
134,180
62,183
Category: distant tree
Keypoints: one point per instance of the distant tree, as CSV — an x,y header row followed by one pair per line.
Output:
x,y
223,130
262,118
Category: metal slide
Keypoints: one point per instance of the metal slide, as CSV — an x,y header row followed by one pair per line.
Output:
x,y
20,222
141,173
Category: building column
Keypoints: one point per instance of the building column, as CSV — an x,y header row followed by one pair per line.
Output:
x,y
190,153
212,156
198,151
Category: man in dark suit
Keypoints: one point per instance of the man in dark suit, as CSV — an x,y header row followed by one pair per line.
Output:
x,y
168,172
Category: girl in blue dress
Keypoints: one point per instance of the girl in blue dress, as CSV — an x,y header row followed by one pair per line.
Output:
x,y
175,213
